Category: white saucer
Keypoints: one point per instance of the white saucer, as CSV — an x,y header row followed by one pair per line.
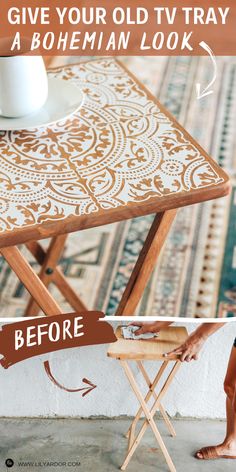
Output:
x,y
64,99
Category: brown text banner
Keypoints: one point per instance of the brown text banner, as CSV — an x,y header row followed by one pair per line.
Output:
x,y
124,28
33,337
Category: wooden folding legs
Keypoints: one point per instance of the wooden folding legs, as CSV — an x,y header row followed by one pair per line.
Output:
x,y
49,263
151,392
37,285
149,413
31,281
50,273
145,263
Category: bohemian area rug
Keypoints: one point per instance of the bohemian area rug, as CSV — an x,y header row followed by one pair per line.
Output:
x,y
196,273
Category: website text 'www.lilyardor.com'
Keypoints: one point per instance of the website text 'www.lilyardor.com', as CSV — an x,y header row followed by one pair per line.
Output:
x,y
47,463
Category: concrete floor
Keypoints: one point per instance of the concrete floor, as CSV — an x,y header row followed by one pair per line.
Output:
x,y
100,445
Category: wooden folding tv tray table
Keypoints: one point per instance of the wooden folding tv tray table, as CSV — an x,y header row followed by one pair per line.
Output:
x,y
138,351
121,156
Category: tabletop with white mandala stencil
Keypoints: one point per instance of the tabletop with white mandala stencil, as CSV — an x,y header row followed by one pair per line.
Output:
x,y
120,156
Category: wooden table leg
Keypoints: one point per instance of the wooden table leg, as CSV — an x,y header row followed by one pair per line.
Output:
x,y
31,281
131,431
145,263
162,410
53,254
52,274
149,414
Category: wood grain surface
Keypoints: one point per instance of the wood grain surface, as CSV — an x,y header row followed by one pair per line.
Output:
x,y
153,349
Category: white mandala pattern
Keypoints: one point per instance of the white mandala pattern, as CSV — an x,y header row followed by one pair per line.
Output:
x,y
119,148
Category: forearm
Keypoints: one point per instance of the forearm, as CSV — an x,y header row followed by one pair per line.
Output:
x,y
159,325
206,329
191,347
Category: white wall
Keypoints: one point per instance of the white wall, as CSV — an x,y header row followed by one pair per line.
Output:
x,y
196,391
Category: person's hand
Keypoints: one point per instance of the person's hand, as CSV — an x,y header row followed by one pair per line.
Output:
x,y
149,327
190,349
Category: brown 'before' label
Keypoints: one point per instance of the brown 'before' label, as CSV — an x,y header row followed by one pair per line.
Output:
x,y
30,338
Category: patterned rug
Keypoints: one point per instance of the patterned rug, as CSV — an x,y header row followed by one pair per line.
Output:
x,y
196,273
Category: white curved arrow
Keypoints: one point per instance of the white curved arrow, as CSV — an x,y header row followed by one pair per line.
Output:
x,y
206,91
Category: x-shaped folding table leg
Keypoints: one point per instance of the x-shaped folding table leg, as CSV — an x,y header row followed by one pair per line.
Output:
x,y
131,431
51,273
149,413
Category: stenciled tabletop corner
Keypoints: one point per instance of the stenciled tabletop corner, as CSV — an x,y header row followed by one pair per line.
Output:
x,y
121,155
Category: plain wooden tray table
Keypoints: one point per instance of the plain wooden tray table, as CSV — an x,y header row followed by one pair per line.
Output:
x,y
138,351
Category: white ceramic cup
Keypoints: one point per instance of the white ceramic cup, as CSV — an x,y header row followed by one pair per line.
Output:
x,y
23,85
